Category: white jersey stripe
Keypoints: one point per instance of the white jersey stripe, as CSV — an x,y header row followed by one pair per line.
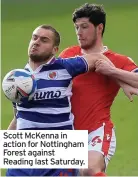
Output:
x,y
62,73
45,110
23,124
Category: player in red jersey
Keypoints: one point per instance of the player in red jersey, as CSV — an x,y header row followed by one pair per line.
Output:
x,y
94,93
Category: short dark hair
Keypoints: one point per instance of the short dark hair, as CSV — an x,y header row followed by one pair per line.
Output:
x,y
57,35
94,12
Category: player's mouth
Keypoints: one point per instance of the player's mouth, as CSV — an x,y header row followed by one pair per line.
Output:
x,y
34,49
81,40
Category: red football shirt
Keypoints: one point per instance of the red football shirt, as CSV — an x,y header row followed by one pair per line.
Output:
x,y
94,93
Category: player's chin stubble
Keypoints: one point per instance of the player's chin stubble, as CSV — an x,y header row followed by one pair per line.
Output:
x,y
38,58
89,45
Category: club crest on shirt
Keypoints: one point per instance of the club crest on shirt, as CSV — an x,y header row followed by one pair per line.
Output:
x,y
52,75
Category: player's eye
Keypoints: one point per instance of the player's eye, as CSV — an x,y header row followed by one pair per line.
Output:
x,y
84,26
34,37
76,27
44,40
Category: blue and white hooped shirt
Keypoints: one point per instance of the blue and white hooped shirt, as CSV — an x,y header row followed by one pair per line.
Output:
x,y
50,106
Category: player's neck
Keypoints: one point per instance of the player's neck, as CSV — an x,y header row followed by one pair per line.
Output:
x,y
35,65
94,49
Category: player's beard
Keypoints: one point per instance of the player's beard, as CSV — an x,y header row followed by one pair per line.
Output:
x,y
40,58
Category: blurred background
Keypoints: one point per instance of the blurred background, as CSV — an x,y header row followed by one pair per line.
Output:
x,y
21,17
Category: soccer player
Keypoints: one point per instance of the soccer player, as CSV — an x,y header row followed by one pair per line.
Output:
x,y
93,93
50,109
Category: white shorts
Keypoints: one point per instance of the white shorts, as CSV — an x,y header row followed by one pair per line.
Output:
x,y
103,140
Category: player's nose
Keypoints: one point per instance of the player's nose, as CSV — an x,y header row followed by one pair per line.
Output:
x,y
37,41
79,31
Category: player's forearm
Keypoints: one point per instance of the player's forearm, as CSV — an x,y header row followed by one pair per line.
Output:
x,y
128,90
120,83
130,78
12,125
92,58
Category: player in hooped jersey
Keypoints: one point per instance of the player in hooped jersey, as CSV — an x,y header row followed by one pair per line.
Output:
x,y
93,93
50,109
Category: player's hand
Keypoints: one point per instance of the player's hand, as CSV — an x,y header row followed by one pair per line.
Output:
x,y
129,91
105,67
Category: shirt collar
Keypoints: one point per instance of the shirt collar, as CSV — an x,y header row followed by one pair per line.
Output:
x,y
105,49
28,67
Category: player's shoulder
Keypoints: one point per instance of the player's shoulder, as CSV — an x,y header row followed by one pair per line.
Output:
x,y
117,57
70,51
114,54
73,48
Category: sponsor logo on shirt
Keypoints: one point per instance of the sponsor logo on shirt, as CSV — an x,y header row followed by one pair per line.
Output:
x,y
47,95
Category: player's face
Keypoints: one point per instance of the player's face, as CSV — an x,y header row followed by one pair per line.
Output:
x,y
86,33
41,47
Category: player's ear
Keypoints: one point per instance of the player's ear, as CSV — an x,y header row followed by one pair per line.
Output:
x,y
55,50
100,28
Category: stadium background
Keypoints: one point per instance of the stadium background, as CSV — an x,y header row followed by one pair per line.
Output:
x,y
19,19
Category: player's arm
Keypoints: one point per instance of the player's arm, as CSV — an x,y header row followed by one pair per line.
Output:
x,y
130,78
128,90
12,125
89,58
81,64
93,58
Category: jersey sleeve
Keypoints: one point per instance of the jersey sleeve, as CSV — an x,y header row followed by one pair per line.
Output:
x,y
130,65
75,65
